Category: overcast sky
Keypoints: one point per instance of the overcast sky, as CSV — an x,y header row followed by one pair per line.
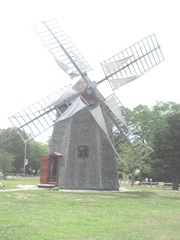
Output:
x,y
99,29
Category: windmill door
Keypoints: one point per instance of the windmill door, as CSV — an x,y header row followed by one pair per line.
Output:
x,y
54,159
53,163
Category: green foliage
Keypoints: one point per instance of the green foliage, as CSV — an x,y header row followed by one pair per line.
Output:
x,y
13,144
35,150
158,127
6,160
141,119
133,165
167,148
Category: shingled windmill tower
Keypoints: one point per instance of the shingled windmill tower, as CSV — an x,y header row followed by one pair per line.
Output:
x,y
86,126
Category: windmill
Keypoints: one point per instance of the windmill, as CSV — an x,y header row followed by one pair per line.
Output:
x,y
87,128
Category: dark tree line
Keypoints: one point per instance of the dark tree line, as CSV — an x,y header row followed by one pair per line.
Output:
x,y
159,127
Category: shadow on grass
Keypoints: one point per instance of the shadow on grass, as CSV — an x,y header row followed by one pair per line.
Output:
x,y
133,194
120,195
152,193
139,194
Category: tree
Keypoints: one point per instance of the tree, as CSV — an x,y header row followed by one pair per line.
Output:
x,y
6,160
126,162
133,154
151,126
142,122
35,150
12,143
167,149
146,119
132,161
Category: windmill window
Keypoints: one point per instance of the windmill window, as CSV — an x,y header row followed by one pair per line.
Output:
x,y
83,151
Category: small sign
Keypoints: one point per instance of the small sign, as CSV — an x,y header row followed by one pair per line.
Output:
x,y
26,161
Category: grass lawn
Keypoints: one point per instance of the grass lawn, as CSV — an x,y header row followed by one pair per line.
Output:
x,y
146,214
11,183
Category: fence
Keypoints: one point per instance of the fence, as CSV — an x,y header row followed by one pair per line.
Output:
x,y
154,184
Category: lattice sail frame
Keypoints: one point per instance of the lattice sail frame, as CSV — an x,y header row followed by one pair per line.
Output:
x,y
133,62
38,117
67,56
122,132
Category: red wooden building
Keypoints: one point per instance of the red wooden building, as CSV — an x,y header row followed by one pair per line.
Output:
x,y
49,171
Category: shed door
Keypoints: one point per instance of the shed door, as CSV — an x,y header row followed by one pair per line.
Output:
x,y
53,169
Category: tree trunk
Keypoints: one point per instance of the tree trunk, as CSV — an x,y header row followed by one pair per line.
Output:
x,y
4,173
175,182
132,178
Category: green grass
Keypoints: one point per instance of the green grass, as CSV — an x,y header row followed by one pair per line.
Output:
x,y
11,183
46,214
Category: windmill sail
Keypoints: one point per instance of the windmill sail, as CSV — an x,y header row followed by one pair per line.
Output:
x,y
120,135
116,83
66,55
75,107
98,116
115,108
66,69
67,93
113,66
42,115
133,62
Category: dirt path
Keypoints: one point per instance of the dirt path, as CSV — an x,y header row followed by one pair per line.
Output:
x,y
20,188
